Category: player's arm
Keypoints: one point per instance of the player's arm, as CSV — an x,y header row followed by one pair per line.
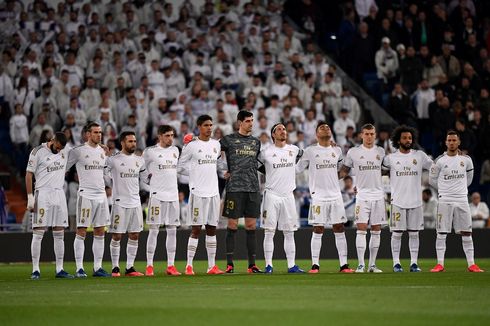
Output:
x,y
434,175
347,166
144,177
261,162
184,160
30,194
108,173
470,172
385,165
303,163
72,158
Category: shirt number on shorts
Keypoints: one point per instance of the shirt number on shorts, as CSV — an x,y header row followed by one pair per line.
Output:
x,y
155,210
85,213
439,218
397,216
315,209
41,215
230,204
116,219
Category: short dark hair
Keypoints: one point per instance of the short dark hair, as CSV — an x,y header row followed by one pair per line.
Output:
x,y
90,125
202,118
397,133
243,114
60,138
427,191
451,132
124,134
165,128
321,123
274,128
368,126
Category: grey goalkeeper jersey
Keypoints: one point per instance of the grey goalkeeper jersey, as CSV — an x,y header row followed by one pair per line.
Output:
x,y
241,156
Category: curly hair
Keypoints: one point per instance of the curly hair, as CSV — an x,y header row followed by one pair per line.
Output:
x,y
397,133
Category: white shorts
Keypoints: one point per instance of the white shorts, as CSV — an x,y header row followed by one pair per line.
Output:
x,y
50,209
163,212
279,212
455,215
93,212
403,219
126,219
327,212
204,210
370,211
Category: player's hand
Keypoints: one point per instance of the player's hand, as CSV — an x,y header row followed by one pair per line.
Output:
x,y
188,138
105,148
227,175
355,190
30,202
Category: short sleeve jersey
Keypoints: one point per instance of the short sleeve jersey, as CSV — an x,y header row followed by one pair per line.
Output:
x,y
89,162
406,177
201,158
161,164
323,165
365,164
241,157
48,168
280,168
451,173
125,171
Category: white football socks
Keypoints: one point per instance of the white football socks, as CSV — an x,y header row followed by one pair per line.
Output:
x,y
468,249
59,248
374,241
37,238
191,250
413,245
341,244
316,246
361,246
396,243
289,247
79,250
98,251
131,251
211,250
151,244
268,246
441,247
115,252
171,244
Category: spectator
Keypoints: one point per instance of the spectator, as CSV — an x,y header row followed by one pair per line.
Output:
x,y
479,212
411,70
19,135
399,107
386,60
429,206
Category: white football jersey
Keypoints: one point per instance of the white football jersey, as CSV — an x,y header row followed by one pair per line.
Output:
x,y
452,174
48,168
406,177
323,164
125,172
365,164
161,164
200,158
280,168
89,162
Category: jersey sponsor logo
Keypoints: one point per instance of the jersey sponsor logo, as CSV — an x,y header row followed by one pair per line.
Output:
x,y
94,166
56,167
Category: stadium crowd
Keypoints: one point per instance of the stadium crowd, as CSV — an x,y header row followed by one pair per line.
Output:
x,y
135,65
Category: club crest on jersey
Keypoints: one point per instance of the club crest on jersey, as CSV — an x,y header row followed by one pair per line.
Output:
x,y
378,158
137,165
63,155
175,155
333,155
290,153
414,162
102,156
215,150
461,163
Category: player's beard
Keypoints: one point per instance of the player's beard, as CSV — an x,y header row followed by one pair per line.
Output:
x,y
406,146
130,150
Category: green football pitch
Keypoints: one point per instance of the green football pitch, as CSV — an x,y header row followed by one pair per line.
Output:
x,y
454,297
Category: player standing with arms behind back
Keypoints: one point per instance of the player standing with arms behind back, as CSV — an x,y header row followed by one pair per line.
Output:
x,y
406,166
47,164
242,189
200,158
323,161
163,208
365,161
92,206
278,204
451,175
125,168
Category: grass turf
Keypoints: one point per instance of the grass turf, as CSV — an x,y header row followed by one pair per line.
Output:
x,y
455,297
